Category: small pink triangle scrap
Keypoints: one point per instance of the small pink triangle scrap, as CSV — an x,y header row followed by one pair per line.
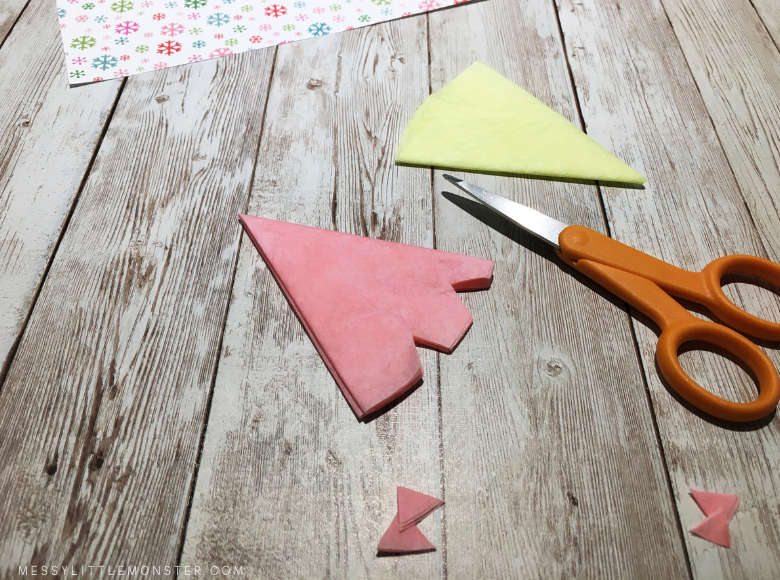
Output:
x,y
366,303
414,507
719,509
403,536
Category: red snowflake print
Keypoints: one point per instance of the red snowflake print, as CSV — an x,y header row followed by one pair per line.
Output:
x,y
265,27
82,18
195,58
124,57
97,79
168,47
127,27
237,17
429,5
159,65
275,10
159,16
172,29
105,49
220,52
219,36
121,73
256,39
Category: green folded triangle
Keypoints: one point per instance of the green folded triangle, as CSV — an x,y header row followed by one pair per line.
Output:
x,y
482,121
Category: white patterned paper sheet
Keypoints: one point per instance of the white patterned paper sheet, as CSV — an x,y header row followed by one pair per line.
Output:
x,y
117,38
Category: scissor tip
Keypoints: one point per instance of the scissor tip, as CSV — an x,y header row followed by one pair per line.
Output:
x,y
451,179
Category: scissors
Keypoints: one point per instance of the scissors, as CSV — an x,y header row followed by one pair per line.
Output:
x,y
648,284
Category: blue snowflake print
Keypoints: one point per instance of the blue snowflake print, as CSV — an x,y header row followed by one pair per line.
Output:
x,y
101,18
218,19
122,40
387,11
229,1
319,29
104,62
198,44
61,13
300,4
171,4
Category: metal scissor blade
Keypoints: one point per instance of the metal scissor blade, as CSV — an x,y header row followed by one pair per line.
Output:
x,y
536,223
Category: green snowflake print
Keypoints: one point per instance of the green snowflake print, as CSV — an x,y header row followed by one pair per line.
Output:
x,y
88,6
381,2
239,28
122,6
288,27
231,42
195,31
83,42
247,8
77,74
141,48
335,7
364,18
194,3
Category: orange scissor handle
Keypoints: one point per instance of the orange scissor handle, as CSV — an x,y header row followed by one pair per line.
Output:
x,y
578,242
677,324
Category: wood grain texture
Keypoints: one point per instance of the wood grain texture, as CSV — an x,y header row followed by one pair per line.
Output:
x,y
115,366
9,14
640,100
737,69
291,484
48,134
551,463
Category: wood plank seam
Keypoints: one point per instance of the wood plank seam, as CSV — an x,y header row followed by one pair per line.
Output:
x,y
442,487
4,369
630,312
11,28
763,23
207,411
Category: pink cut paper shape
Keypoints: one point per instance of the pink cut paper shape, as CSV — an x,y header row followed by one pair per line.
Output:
x,y
366,303
397,542
719,509
413,506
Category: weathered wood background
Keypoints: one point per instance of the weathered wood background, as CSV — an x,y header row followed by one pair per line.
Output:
x,y
161,405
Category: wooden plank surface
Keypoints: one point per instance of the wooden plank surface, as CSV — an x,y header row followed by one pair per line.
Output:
x,y
114,370
48,135
639,99
291,484
737,69
551,463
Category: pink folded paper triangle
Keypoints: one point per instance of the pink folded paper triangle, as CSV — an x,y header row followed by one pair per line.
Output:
x,y
365,303
719,509
414,506
397,542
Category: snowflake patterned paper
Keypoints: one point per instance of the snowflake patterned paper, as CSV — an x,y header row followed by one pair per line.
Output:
x,y
117,38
